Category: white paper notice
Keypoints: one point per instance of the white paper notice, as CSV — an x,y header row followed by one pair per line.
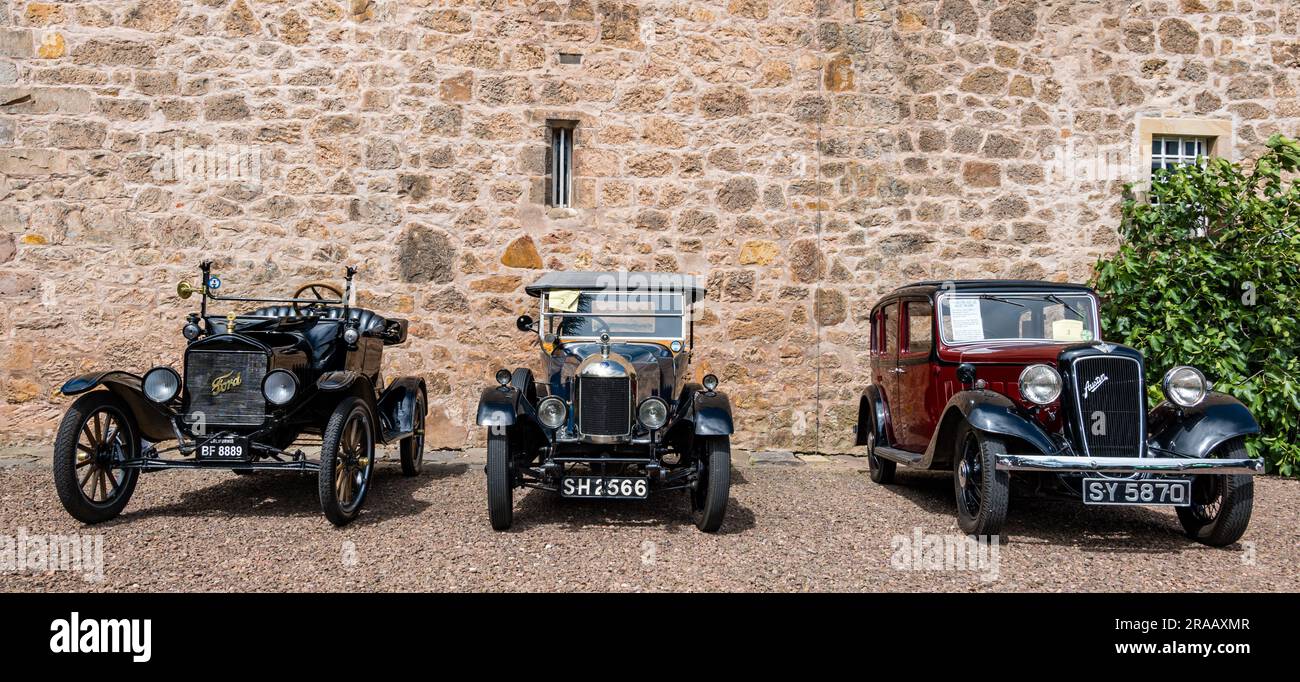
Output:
x,y
967,323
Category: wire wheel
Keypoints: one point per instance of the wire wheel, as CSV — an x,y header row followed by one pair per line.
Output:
x,y
970,474
96,439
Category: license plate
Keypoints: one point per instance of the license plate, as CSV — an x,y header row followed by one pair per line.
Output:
x,y
1174,492
609,488
224,449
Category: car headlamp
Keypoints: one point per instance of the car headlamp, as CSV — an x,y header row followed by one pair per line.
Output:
x,y
552,412
1040,384
161,384
279,387
653,413
191,331
1185,386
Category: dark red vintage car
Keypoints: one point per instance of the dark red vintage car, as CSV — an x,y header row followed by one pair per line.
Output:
x,y
1009,385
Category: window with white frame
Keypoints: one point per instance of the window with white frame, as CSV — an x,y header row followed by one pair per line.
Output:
x,y
560,182
1170,151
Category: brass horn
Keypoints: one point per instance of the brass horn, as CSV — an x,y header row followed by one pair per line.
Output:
x,y
185,290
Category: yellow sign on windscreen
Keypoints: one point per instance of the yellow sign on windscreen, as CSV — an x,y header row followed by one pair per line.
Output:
x,y
564,301
1067,330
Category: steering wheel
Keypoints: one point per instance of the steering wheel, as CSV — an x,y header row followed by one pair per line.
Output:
x,y
317,291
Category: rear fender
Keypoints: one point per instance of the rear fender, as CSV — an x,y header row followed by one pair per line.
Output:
x,y
872,414
396,407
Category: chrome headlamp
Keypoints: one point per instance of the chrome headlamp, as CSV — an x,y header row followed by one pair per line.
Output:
x,y
161,384
710,382
552,412
653,413
1040,384
1185,386
279,387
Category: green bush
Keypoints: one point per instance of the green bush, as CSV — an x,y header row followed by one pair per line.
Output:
x,y
1209,275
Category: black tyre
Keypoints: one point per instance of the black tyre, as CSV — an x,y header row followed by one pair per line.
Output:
x,y
500,478
709,497
881,469
982,491
96,435
412,447
1221,504
347,460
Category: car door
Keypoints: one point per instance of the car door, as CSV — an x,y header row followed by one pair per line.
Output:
x,y
884,356
913,376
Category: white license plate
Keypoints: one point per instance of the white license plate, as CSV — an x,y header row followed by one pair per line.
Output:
x,y
1175,492
225,449
605,487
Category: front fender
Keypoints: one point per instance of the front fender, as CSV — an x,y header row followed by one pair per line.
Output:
x,y
711,414
155,422
396,406
1197,431
498,406
993,413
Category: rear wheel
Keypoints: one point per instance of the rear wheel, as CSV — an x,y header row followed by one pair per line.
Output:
x,y
709,497
412,447
97,434
881,469
982,491
1221,504
500,486
347,459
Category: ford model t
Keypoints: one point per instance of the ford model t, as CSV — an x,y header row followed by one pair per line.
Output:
x,y
611,414
1008,385
252,388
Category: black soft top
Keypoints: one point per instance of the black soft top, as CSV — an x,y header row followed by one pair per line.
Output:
x,y
635,282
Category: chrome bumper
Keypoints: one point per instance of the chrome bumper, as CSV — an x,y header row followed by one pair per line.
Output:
x,y
1128,465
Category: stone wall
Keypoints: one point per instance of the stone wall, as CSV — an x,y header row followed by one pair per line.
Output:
x,y
806,155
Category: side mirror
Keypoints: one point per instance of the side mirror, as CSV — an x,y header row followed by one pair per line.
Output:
x,y
524,323
966,373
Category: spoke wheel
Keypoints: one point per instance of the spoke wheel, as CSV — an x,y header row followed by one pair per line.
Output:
x,y
1221,504
981,490
412,447
347,461
96,436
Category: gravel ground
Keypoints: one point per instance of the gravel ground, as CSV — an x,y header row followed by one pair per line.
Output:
x,y
816,525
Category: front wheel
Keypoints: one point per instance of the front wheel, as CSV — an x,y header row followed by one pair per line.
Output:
x,y
1221,504
347,459
982,491
412,447
97,434
709,497
500,487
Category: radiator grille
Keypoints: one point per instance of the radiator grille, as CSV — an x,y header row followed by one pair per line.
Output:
x,y
604,406
237,403
1112,388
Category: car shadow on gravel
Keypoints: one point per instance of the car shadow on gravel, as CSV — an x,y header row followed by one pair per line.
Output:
x,y
294,495
668,511
1138,530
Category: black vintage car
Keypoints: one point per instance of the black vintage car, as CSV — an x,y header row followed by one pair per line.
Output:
x,y
1009,385
305,371
612,415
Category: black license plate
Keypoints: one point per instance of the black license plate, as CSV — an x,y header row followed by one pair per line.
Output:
x,y
606,487
229,449
1175,492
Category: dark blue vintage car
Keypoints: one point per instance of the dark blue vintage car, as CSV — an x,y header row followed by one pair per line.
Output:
x,y
611,414
306,371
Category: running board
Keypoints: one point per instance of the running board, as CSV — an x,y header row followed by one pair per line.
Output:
x,y
900,456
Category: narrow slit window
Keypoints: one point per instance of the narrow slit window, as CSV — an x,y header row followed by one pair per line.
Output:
x,y
561,189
